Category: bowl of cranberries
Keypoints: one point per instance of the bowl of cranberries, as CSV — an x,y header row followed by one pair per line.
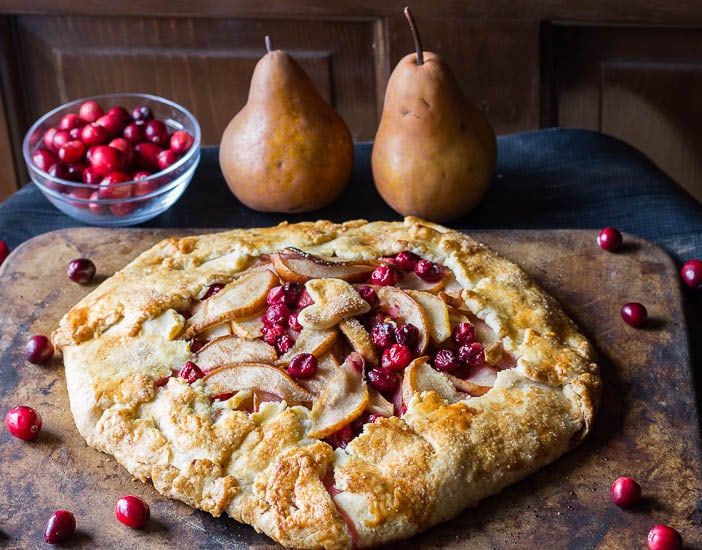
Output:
x,y
115,159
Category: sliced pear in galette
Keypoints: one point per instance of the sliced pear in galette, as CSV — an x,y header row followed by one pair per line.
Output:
x,y
335,386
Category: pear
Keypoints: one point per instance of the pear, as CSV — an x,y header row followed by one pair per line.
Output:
x,y
287,150
434,153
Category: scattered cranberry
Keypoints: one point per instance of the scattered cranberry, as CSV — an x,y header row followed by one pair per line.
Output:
x,y
23,422
610,239
38,349
294,322
463,333
276,295
407,335
284,343
132,511
625,492
634,314
4,251
341,438
270,334
664,537
428,271
383,335
181,141
292,292
369,295
303,365
446,360
472,354
190,372
396,357
61,525
385,275
81,270
691,274
406,260
276,314
383,380
212,290
304,299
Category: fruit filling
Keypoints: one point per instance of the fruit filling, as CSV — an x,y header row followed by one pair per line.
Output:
x,y
353,341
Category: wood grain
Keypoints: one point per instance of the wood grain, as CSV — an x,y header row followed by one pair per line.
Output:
x,y
647,427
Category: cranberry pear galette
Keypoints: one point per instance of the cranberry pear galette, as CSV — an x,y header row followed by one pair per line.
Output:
x,y
332,385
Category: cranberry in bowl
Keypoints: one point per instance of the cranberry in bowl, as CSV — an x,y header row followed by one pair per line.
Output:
x,y
113,160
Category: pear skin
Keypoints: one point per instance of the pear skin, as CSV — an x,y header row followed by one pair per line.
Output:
x,y
287,150
434,153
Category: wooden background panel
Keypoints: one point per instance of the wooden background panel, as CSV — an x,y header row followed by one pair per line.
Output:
x,y
497,64
204,64
634,83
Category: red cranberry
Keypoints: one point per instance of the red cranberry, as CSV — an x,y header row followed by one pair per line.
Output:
x,y
90,111
44,159
132,511
294,322
142,188
105,159
407,335
120,112
76,169
81,195
112,123
406,260
126,147
4,251
341,438
71,151
304,299
428,271
134,132
610,239
369,295
48,137
75,132
383,380
143,113
446,360
167,158
112,186
283,343
276,314
270,334
60,137
181,141
59,171
157,132
396,357
61,525
276,295
95,206
190,372
463,333
212,290
691,274
146,156
472,354
94,134
634,314
384,275
196,345
38,349
23,422
292,292
90,175
81,270
625,492
664,537
123,208
70,121
383,335
303,365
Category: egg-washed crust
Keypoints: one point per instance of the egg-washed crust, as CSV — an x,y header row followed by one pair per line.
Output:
x,y
401,474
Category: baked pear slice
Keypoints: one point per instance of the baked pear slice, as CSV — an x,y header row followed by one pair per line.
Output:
x,y
296,265
334,300
228,349
420,377
436,313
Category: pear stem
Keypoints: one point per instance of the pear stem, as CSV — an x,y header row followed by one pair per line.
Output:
x,y
415,34
269,45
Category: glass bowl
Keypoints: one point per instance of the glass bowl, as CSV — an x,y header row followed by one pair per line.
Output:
x,y
132,196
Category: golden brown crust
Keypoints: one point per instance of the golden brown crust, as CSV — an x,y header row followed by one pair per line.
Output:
x,y
401,474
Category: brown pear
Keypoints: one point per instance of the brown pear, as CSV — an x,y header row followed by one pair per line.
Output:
x,y
287,150
434,153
